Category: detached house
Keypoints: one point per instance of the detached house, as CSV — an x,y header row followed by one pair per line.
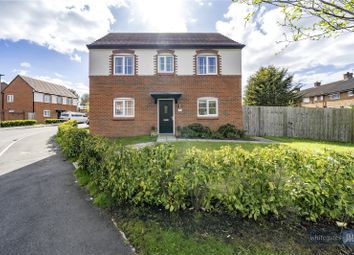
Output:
x,y
28,98
140,81
332,95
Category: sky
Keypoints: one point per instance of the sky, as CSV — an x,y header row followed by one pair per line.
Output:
x,y
47,39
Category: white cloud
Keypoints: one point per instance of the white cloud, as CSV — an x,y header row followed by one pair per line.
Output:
x,y
64,26
75,57
262,34
161,15
25,65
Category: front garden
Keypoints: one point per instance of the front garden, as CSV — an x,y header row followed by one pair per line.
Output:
x,y
173,199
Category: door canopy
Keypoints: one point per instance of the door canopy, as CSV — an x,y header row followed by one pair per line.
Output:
x,y
159,95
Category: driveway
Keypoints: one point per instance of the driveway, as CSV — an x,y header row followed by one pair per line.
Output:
x,y
42,210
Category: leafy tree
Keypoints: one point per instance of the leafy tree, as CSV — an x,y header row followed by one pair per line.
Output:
x,y
271,86
312,19
85,99
74,92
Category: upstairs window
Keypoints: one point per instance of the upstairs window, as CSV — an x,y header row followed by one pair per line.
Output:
x,y
351,93
124,65
206,65
207,107
10,98
165,63
59,100
334,96
123,107
47,98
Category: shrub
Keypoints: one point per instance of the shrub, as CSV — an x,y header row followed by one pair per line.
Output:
x,y
14,123
53,121
70,137
266,181
196,130
229,131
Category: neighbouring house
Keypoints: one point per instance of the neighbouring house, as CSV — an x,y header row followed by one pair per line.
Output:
x,y
2,87
143,81
28,98
332,95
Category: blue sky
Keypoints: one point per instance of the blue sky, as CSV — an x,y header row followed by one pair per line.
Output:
x,y
46,39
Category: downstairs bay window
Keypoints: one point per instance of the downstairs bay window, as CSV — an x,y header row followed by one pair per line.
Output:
x,y
207,107
123,107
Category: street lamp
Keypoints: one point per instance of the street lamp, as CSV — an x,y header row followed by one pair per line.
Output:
x,y
1,110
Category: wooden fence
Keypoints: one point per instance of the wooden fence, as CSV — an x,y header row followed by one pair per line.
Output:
x,y
316,123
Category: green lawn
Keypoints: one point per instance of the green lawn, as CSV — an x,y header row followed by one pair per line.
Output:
x,y
182,146
135,139
314,145
298,143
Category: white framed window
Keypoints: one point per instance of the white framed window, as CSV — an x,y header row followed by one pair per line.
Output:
x,y
124,65
165,63
334,96
350,93
46,113
47,98
59,100
207,107
123,107
306,100
206,65
69,101
315,99
320,98
10,98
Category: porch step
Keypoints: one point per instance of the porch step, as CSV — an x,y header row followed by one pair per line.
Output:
x,y
166,138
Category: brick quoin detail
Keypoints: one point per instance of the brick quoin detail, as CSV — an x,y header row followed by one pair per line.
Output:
x,y
103,89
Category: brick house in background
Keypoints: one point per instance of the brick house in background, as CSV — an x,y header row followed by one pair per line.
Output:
x,y
2,87
163,80
332,95
28,98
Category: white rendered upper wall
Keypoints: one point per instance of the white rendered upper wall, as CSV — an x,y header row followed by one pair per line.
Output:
x,y
99,61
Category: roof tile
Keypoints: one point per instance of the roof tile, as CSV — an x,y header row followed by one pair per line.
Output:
x,y
158,40
48,87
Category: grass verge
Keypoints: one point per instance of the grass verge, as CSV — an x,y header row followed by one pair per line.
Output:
x,y
314,145
135,139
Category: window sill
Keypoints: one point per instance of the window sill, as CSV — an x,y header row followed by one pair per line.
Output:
x,y
123,118
208,117
165,74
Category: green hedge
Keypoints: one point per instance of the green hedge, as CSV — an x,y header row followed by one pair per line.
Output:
x,y
53,121
275,180
14,123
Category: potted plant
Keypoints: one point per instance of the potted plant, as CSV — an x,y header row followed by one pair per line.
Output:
x,y
153,131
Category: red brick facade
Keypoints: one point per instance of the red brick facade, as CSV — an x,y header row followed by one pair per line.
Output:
x,y
23,104
103,90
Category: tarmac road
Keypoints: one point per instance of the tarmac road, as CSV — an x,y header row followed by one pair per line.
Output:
x,y
42,210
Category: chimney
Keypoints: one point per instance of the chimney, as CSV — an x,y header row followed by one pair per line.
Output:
x,y
317,84
348,76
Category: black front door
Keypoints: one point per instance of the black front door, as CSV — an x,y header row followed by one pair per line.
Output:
x,y
166,116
